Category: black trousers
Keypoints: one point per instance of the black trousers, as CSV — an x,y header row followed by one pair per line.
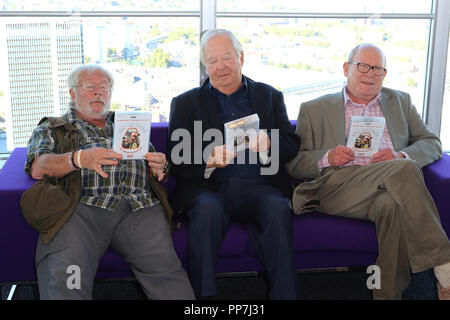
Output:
x,y
269,214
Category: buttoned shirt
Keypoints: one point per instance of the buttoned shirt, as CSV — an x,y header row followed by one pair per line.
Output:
x,y
232,107
372,109
127,180
235,105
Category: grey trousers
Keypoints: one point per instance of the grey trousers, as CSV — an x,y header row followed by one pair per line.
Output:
x,y
393,195
66,267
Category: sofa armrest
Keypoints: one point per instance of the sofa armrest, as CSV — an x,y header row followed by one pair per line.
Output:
x,y
437,179
17,239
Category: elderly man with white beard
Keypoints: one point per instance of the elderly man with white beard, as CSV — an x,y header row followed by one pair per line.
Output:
x,y
117,203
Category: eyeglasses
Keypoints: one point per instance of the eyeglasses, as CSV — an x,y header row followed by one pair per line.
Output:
x,y
364,68
103,87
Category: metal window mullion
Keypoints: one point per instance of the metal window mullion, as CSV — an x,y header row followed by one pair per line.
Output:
x,y
303,15
208,7
434,97
99,13
207,22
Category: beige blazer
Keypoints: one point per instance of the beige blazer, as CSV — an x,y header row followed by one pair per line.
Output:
x,y
321,126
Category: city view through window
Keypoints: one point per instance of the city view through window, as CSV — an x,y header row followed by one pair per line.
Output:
x,y
152,60
304,57
445,128
155,58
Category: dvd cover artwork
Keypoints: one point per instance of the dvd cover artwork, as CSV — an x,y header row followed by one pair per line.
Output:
x,y
132,134
239,132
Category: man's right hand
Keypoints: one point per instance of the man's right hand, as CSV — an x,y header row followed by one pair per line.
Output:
x,y
220,157
96,157
340,156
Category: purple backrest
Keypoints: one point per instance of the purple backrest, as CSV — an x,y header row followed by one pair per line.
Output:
x,y
158,137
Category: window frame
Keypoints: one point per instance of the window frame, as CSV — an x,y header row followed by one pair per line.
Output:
x,y
439,19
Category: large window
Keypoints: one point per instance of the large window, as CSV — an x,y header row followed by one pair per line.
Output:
x,y
152,54
445,125
304,57
152,49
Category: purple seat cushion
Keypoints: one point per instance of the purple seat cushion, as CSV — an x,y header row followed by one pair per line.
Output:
x,y
319,240
437,179
332,233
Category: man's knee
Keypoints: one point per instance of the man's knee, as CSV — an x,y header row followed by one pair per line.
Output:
x,y
275,209
207,207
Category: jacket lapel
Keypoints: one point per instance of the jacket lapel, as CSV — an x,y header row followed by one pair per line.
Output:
x,y
258,102
209,108
335,116
389,112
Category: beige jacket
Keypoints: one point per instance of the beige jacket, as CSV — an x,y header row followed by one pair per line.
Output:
x,y
321,126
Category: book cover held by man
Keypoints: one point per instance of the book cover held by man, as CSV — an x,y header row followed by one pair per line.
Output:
x,y
364,135
132,134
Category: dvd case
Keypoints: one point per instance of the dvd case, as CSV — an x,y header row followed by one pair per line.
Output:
x,y
365,134
132,134
239,132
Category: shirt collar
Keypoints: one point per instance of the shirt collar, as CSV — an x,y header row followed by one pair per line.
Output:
x,y
72,116
348,100
243,87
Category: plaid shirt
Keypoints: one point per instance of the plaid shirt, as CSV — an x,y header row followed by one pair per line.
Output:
x,y
373,109
126,180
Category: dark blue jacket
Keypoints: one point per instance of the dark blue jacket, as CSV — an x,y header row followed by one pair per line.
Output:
x,y
200,105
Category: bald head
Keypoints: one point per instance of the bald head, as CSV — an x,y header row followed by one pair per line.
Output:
x,y
366,46
363,82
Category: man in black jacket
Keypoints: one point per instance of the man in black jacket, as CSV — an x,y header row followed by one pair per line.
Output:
x,y
214,187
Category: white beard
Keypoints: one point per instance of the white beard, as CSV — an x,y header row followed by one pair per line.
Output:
x,y
89,112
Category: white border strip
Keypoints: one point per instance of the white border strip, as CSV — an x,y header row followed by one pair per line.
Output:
x,y
11,292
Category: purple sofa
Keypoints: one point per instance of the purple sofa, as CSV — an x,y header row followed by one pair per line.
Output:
x,y
321,241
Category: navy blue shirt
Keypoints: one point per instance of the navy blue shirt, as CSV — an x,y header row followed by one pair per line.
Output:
x,y
235,106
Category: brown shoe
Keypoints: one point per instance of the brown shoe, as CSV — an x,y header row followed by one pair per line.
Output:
x,y
443,293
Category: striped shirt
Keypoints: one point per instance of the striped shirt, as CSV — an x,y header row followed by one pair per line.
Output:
x,y
372,109
126,180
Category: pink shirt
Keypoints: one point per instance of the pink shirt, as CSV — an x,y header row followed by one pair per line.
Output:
x,y
372,109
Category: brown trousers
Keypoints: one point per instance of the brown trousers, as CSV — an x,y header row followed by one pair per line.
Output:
x,y
393,195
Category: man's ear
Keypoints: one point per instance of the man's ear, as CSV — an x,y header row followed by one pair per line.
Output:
x,y
72,94
345,67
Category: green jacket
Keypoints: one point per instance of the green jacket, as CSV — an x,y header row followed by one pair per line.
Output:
x,y
50,202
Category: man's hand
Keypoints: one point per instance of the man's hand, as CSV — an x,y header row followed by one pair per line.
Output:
x,y
220,157
262,142
157,162
385,155
340,156
94,158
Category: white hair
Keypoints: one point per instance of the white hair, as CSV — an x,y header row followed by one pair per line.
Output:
x,y
74,76
219,32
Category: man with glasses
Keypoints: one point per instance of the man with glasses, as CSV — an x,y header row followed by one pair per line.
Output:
x,y
386,188
120,202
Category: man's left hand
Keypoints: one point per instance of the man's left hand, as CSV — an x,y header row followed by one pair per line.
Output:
x,y
157,162
386,155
